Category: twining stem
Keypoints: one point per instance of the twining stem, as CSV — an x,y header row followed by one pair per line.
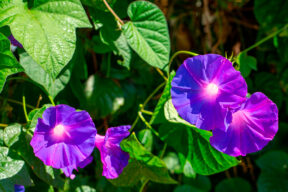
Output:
x,y
143,185
17,102
176,54
134,123
163,151
51,100
38,101
145,103
146,112
113,13
3,125
153,93
147,124
265,39
24,109
162,74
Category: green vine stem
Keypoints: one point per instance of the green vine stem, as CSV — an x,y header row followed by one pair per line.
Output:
x,y
176,54
143,185
51,100
24,109
145,103
113,13
146,112
17,102
162,74
147,124
265,39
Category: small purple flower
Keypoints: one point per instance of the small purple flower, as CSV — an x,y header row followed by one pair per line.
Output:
x,y
114,159
64,138
19,188
203,89
251,127
14,42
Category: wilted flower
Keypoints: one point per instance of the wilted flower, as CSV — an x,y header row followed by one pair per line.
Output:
x,y
64,138
19,188
250,128
114,159
203,89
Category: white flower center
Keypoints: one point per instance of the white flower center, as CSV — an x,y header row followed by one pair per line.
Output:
x,y
212,89
59,130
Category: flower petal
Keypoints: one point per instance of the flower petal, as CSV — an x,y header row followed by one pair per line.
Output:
x,y
253,125
204,87
68,171
114,159
64,137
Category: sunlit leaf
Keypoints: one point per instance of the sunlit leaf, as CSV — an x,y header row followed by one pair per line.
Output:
x,y
47,30
147,33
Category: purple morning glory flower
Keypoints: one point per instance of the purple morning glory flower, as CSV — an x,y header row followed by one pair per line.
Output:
x,y
14,42
251,127
203,89
64,138
19,188
114,159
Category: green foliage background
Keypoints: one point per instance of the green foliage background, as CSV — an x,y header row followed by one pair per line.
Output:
x,y
120,71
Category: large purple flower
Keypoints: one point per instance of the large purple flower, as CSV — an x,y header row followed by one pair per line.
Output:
x,y
64,138
114,159
203,89
251,127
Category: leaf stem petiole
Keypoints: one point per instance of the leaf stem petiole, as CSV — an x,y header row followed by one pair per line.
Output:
x,y
176,54
51,100
113,13
265,39
24,109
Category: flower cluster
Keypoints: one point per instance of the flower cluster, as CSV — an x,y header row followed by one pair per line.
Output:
x,y
209,93
65,139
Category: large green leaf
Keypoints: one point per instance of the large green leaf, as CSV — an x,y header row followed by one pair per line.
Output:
x,y
46,30
274,172
12,170
271,13
51,86
158,115
142,164
193,144
8,63
102,96
147,33
233,184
